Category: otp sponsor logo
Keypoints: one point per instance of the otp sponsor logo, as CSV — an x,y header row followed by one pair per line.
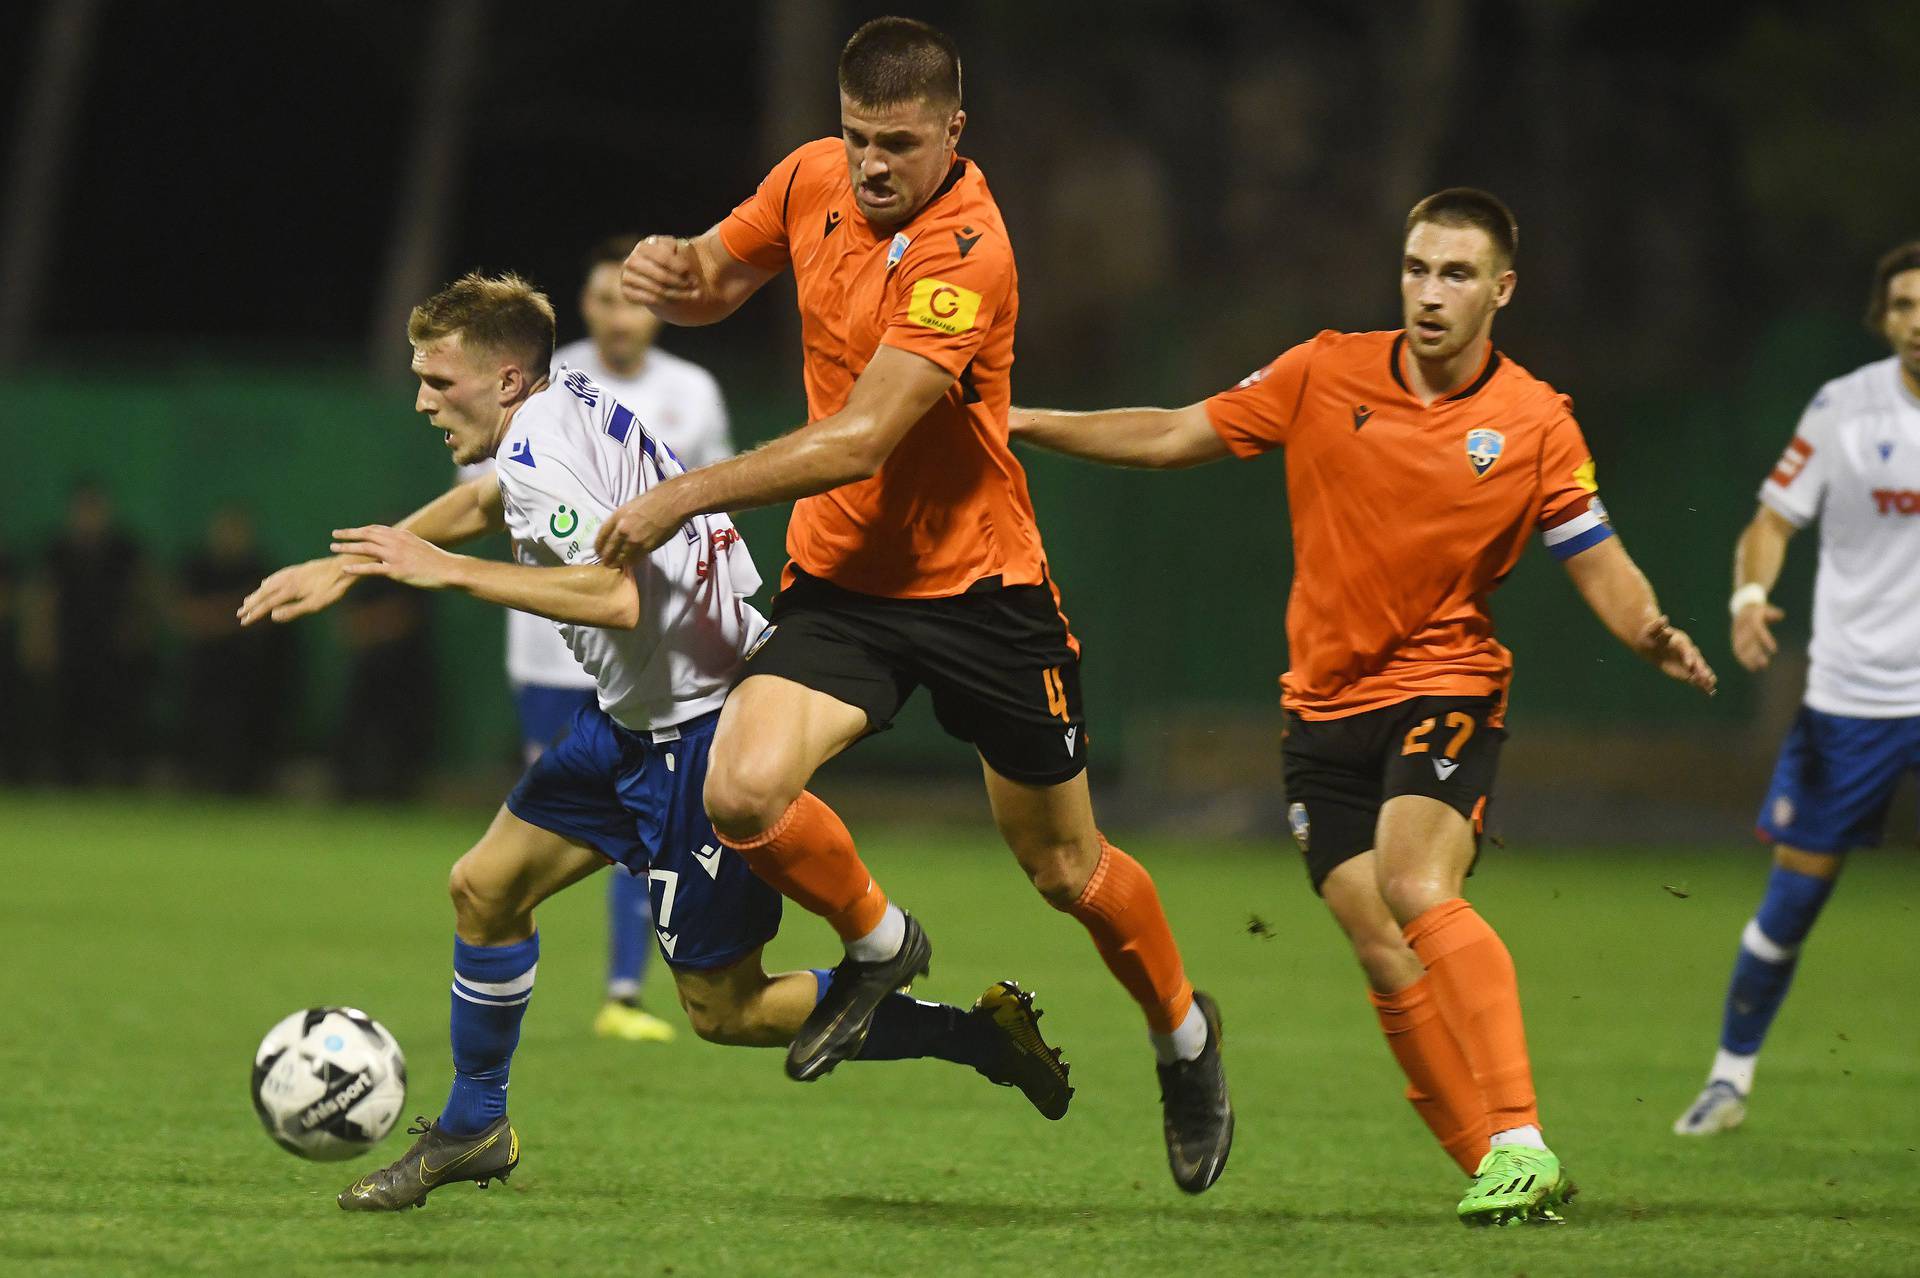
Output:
x,y
1791,462
1897,501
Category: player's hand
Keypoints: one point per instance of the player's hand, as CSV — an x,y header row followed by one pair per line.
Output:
x,y
661,270
395,554
1676,654
296,591
1753,641
637,529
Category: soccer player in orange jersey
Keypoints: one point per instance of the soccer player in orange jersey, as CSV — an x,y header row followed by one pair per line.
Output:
x,y
1418,463
915,559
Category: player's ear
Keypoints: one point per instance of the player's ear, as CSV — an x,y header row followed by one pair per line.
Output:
x,y
1503,287
956,124
512,383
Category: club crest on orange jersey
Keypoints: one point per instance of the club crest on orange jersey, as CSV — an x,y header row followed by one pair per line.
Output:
x,y
1484,448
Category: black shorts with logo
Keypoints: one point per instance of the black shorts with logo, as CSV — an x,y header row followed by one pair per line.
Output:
x,y
1340,771
997,661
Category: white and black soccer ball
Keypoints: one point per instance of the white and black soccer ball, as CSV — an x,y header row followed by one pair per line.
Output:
x,y
328,1083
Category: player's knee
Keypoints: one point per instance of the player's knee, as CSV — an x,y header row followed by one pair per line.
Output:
x,y
480,904
1411,893
716,1018
1059,869
745,797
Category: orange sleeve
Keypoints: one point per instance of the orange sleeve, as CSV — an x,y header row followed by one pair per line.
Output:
x,y
947,298
1257,413
1572,518
756,231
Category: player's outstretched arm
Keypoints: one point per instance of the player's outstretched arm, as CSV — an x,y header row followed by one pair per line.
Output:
x,y
1757,558
582,595
458,515
689,282
1153,438
1620,595
893,392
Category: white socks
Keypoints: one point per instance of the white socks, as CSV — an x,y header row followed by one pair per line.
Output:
x,y
1528,1136
1186,1042
884,941
1733,1068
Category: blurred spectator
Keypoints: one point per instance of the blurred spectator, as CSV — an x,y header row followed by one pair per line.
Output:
x,y
96,644
386,731
237,681
14,755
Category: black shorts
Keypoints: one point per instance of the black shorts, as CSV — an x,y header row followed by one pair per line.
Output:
x,y
998,662
1340,771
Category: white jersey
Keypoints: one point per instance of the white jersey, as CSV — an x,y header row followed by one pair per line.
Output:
x,y
681,405
571,456
1855,463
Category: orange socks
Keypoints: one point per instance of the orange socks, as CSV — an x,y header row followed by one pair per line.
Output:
x,y
1472,980
1439,1082
808,856
1121,910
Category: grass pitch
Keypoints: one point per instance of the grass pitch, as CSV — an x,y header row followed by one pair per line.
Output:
x,y
150,944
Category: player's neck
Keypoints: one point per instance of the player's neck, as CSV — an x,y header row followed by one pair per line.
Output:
x,y
625,370
1910,379
1435,379
506,415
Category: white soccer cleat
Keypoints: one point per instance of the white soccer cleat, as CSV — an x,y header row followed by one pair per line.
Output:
x,y
1720,1108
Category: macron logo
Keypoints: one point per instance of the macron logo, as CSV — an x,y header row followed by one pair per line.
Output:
x,y
1444,768
522,452
709,858
1071,734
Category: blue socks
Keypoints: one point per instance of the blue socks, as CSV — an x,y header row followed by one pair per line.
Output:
x,y
491,986
629,932
904,1028
1769,950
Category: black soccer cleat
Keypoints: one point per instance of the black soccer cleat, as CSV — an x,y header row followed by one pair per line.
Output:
x,y
1197,1113
838,1025
434,1160
1021,1057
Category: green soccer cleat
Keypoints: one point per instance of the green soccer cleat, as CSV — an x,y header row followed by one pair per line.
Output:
x,y
1021,1057
434,1160
1516,1185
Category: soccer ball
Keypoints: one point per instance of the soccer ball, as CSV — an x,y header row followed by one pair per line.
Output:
x,y
328,1083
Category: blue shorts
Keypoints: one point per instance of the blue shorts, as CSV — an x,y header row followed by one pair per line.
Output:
x,y
546,712
634,797
1835,780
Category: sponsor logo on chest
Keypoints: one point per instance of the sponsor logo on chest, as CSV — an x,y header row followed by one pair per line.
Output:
x,y
1896,501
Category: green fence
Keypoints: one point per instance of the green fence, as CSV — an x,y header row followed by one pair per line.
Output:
x,y
1175,582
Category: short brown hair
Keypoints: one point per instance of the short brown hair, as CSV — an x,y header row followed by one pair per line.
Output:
x,y
1903,259
1470,206
500,313
893,60
615,249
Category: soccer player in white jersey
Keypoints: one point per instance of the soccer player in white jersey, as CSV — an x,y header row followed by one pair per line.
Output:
x,y
1853,463
664,640
681,404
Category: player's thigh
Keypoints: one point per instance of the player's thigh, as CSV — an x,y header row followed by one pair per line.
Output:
x,y
1424,848
1834,781
515,866
1352,893
1331,769
1004,676
774,733
1050,830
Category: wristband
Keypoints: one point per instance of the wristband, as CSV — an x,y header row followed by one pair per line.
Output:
x,y
1751,593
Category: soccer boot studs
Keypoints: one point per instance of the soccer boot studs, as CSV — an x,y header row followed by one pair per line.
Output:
x,y
1020,1056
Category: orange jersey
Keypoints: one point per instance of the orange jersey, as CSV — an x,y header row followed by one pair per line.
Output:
x,y
1406,516
949,507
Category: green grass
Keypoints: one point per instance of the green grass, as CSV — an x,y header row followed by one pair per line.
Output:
x,y
150,944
